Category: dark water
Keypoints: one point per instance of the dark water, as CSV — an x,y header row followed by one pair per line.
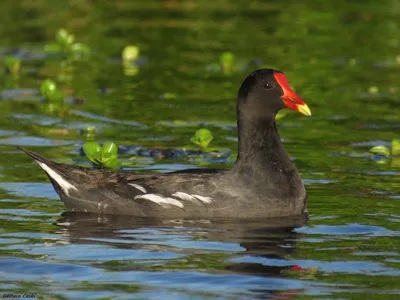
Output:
x,y
342,57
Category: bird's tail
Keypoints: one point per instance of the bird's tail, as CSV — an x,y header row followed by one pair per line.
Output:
x,y
37,157
64,178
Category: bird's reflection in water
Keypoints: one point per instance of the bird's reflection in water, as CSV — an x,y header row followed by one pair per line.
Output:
x,y
259,239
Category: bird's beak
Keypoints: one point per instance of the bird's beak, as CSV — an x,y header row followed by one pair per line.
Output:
x,y
304,109
290,98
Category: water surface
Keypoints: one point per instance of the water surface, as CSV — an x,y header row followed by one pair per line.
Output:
x,y
341,57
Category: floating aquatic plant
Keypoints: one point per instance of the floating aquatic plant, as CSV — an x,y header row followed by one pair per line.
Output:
x,y
12,65
53,98
168,96
130,55
383,154
380,150
386,151
65,43
202,138
105,156
49,91
231,159
373,90
228,64
227,61
89,133
396,147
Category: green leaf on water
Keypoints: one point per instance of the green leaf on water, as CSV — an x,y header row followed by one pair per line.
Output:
x,y
103,156
109,151
89,133
231,159
92,151
373,90
396,147
226,61
381,150
114,164
49,91
109,156
47,86
56,96
64,39
202,138
80,51
130,53
81,48
12,64
227,58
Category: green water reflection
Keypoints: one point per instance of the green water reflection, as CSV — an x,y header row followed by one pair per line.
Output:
x,y
342,58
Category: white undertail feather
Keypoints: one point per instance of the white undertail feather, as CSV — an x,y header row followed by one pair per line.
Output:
x,y
160,200
64,184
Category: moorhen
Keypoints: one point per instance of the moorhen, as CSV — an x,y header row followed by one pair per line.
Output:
x,y
262,183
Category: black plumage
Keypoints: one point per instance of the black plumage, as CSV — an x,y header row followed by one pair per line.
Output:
x,y
263,182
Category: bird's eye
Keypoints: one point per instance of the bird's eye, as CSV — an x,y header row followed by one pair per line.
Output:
x,y
267,86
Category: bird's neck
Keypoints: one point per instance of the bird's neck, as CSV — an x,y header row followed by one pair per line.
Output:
x,y
263,169
260,148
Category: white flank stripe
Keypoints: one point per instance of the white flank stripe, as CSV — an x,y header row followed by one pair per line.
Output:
x,y
65,185
139,187
204,199
184,196
160,200
192,198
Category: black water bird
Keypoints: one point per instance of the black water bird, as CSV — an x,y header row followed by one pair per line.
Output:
x,y
263,182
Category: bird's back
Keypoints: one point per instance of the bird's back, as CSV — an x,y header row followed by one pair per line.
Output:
x,y
195,193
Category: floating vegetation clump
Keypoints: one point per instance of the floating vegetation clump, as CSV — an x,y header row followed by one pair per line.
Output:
x,y
202,138
12,65
105,156
65,43
394,150
384,154
52,98
130,56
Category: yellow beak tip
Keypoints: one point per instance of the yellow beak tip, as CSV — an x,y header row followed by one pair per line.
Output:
x,y
304,109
